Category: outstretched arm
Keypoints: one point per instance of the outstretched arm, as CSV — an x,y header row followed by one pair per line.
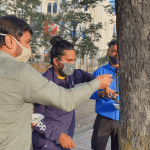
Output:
x,y
37,89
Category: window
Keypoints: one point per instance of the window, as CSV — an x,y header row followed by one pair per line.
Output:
x,y
83,28
63,1
83,35
114,29
49,8
74,23
62,25
85,7
75,34
55,8
40,8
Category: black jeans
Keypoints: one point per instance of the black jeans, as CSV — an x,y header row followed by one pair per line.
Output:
x,y
103,128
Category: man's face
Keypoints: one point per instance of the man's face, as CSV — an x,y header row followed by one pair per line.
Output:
x,y
69,57
24,41
113,51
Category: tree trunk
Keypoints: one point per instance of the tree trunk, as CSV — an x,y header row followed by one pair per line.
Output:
x,y
133,33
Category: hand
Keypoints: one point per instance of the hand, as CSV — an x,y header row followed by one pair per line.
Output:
x,y
106,92
104,80
101,93
66,141
33,124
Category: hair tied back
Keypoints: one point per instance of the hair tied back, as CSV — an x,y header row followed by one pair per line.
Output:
x,y
54,40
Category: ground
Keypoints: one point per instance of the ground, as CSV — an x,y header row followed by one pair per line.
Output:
x,y
85,116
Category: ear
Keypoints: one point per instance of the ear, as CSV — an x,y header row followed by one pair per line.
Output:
x,y
9,42
55,61
108,53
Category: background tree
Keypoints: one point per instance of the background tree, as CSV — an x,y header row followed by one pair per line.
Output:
x,y
28,11
3,6
24,9
37,57
71,18
133,32
103,60
72,26
47,58
111,7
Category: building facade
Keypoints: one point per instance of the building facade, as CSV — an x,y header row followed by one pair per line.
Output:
x,y
99,14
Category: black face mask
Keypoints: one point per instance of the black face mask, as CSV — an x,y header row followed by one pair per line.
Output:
x,y
114,60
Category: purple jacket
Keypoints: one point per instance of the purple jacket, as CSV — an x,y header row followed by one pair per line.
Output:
x,y
56,121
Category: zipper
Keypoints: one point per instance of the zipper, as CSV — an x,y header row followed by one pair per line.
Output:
x,y
98,107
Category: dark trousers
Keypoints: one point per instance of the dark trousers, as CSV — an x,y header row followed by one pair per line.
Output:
x,y
102,129
35,147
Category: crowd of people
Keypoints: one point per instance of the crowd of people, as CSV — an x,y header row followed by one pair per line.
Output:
x,y
53,94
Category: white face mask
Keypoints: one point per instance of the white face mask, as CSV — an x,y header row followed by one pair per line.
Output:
x,y
26,53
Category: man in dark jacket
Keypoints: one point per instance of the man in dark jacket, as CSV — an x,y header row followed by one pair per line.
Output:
x,y
55,131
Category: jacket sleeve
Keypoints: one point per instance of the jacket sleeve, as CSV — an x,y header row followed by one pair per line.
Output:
x,y
38,108
37,89
95,94
52,130
81,76
49,131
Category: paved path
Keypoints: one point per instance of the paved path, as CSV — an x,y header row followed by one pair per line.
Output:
x,y
84,140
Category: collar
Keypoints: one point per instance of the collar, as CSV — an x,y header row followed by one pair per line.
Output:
x,y
61,78
56,78
4,54
111,68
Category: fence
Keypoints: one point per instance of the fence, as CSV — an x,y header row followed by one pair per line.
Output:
x,y
43,66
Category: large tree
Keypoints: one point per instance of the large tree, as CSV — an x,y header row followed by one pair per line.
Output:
x,y
133,32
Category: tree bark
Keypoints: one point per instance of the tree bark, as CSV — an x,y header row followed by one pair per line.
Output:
x,y
133,33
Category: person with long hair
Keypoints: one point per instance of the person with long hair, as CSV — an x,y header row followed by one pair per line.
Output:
x,y
55,131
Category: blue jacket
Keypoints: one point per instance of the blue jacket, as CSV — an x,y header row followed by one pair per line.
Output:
x,y
56,121
104,106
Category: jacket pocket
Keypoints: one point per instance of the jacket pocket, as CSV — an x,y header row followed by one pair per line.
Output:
x,y
44,144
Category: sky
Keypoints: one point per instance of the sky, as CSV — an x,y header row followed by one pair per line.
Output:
x,y
113,2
